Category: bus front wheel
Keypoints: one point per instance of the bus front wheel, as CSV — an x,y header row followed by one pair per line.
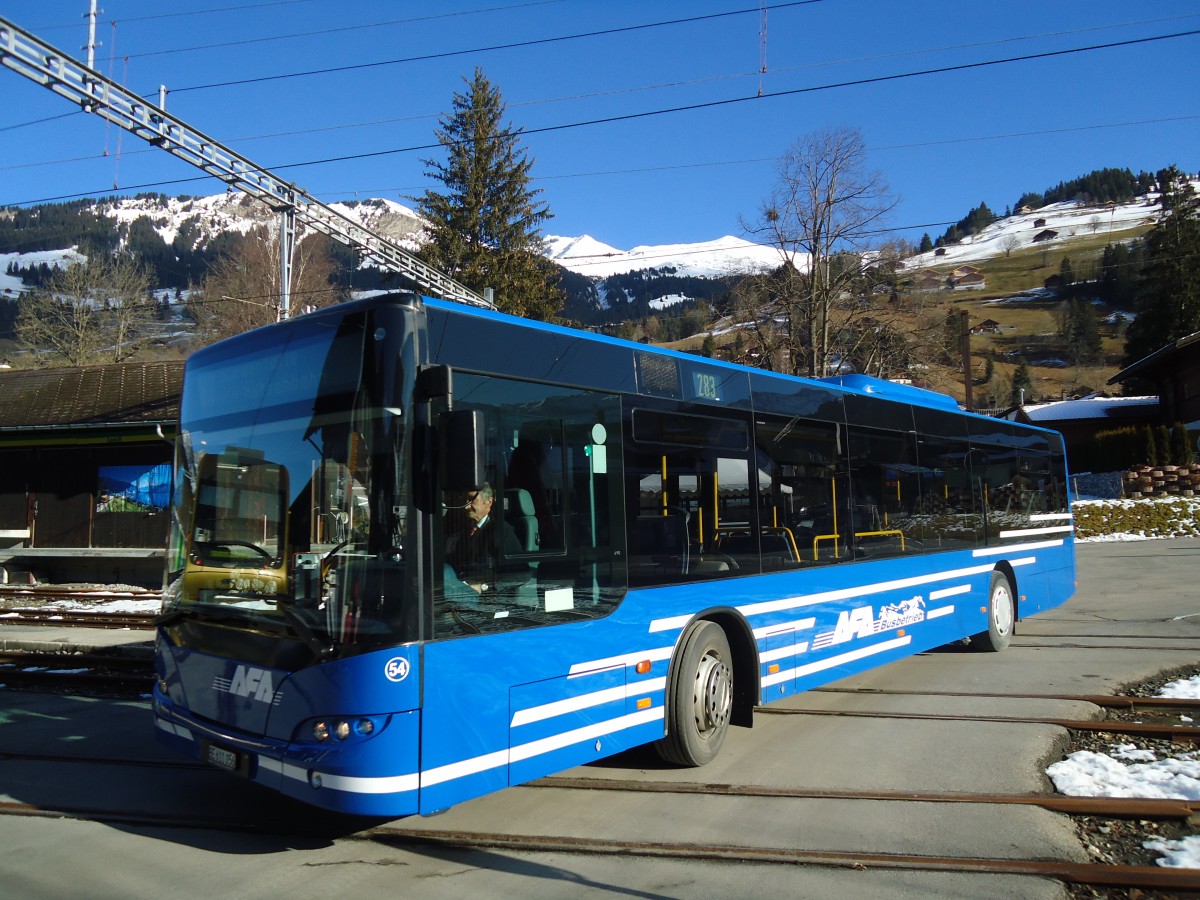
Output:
x,y
1002,614
699,697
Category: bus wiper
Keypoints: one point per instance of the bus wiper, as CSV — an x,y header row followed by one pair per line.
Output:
x,y
170,618
322,649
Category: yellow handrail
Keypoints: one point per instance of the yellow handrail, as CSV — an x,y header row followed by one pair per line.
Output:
x,y
891,531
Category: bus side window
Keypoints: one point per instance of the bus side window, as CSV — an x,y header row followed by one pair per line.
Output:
x,y
553,502
801,492
688,484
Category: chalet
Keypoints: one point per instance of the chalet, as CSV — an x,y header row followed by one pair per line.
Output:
x,y
1048,234
966,282
940,251
987,326
1039,223
1081,420
1174,371
85,470
964,270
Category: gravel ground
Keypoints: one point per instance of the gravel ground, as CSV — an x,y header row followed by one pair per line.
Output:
x,y
1119,841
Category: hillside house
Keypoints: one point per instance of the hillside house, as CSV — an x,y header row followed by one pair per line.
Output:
x,y
1039,223
85,471
987,326
967,282
964,270
1048,234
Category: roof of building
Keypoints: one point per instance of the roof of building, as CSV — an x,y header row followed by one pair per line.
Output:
x,y
120,394
1116,408
1143,366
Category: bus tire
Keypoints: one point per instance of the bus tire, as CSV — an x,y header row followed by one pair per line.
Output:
x,y
1001,613
699,697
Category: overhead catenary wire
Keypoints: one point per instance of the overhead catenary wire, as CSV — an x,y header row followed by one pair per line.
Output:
x,y
711,104
532,42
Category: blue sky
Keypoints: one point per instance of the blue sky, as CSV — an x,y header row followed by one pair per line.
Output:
x,y
944,141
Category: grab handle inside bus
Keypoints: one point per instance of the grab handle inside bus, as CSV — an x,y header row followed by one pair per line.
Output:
x,y
463,450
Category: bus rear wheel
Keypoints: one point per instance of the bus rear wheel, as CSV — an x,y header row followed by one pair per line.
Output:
x,y
699,698
1002,614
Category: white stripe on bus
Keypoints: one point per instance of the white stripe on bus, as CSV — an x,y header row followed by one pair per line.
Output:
x,y
586,701
1024,532
617,662
784,627
950,592
586,733
1017,548
863,590
834,661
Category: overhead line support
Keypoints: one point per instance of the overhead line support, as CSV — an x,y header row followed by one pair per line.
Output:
x,y
55,70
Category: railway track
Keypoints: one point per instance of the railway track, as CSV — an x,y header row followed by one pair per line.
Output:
x,y
91,673
417,835
78,619
400,835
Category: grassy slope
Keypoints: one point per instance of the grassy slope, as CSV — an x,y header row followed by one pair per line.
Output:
x,y
1029,328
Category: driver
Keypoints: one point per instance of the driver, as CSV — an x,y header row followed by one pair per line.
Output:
x,y
473,552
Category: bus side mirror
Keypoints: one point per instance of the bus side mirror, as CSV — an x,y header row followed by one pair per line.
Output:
x,y
463,450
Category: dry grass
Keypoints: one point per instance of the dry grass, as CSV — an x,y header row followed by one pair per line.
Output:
x,y
1029,329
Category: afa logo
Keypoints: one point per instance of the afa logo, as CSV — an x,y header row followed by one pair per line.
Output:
x,y
249,681
862,621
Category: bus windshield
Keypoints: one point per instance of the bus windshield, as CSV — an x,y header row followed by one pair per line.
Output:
x,y
289,509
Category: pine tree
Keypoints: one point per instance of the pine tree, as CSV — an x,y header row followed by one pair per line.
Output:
x,y
484,229
1169,301
1181,446
1162,441
926,243
1022,386
1067,274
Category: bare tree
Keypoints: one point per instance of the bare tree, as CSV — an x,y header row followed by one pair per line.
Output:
x,y
1009,243
94,311
823,216
242,290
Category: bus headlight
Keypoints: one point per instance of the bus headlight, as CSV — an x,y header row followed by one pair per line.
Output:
x,y
325,731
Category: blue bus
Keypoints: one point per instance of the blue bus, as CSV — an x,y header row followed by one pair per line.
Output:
x,y
422,551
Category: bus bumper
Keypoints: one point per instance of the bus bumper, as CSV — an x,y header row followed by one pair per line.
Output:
x,y
385,780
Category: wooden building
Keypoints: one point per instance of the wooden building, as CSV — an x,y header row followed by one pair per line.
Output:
x,y
1081,420
1174,372
85,460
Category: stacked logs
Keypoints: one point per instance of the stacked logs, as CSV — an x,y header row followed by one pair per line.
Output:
x,y
1163,481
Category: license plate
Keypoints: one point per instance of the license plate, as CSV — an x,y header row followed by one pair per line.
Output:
x,y
222,758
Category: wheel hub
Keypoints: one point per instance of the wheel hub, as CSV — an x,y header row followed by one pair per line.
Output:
x,y
714,694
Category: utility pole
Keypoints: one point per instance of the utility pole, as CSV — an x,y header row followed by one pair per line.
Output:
x,y
91,44
968,376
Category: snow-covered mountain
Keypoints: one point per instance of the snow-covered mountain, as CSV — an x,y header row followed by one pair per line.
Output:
x,y
1049,226
195,221
709,259
206,217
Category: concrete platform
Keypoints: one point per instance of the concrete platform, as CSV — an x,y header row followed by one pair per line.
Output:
x,y
70,639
